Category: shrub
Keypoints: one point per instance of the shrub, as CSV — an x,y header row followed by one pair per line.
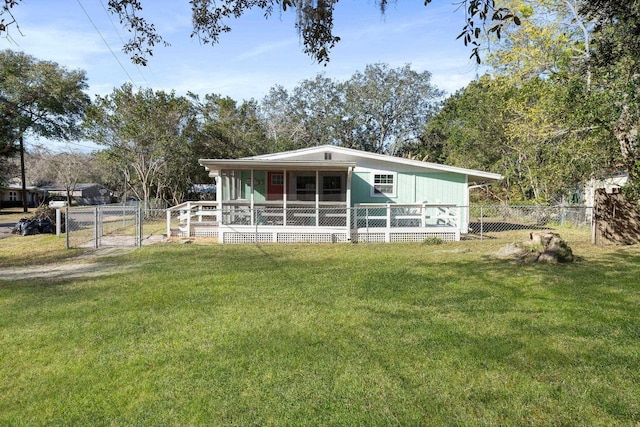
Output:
x,y
432,241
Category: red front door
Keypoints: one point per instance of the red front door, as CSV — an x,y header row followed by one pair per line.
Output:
x,y
275,185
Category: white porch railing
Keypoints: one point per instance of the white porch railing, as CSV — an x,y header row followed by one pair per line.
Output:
x,y
271,218
204,213
413,215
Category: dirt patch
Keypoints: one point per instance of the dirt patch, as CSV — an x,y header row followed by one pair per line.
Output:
x,y
90,264
125,241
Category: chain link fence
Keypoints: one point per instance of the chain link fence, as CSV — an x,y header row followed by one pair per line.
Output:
x,y
112,226
502,221
130,226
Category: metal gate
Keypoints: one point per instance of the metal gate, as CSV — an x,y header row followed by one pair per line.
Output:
x,y
103,226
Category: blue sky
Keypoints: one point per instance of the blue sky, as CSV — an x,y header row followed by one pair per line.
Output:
x,y
258,54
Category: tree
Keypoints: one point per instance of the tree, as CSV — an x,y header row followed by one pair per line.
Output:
x,y
317,105
469,129
65,169
228,130
387,108
553,38
589,49
7,150
39,98
379,110
530,131
616,66
147,134
314,22
283,130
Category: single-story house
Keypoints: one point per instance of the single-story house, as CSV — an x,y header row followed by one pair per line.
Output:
x,y
11,196
328,194
81,194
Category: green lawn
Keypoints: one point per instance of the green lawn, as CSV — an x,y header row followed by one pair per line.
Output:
x,y
344,334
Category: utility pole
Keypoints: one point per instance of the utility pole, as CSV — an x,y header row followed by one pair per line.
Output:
x,y
25,207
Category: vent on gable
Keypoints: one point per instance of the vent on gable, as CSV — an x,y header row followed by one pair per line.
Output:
x,y
327,156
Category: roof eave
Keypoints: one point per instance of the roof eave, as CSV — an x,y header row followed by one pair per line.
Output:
x,y
214,166
472,174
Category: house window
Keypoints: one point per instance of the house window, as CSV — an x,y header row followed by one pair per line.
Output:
x,y
384,185
13,196
277,179
332,188
306,187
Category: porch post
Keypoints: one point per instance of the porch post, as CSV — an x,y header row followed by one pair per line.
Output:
x,y
317,198
463,213
284,197
232,185
251,201
218,198
349,222
285,190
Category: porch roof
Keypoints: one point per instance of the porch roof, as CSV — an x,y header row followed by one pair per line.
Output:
x,y
214,166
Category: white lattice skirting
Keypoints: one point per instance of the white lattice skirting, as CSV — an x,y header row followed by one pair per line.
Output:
x,y
338,235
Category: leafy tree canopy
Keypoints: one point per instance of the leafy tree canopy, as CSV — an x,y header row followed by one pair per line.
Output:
x,y
380,109
40,97
314,22
148,138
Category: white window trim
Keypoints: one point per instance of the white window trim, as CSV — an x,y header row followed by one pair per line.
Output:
x,y
280,177
395,184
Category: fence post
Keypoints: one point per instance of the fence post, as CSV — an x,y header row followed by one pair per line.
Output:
x,y
481,222
66,225
139,227
96,238
349,223
58,221
168,223
366,214
188,219
254,211
594,224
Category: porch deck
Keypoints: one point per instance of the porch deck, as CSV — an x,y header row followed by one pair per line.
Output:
x,y
328,222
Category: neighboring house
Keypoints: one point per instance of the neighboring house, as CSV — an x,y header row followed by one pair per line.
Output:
x,y
330,193
609,183
82,194
202,192
11,196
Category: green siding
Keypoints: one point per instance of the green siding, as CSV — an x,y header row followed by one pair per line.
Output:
x,y
259,190
437,187
406,189
440,188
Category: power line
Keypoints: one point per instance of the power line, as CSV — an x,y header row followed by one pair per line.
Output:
x,y
115,28
107,44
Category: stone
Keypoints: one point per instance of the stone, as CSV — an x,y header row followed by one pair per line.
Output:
x,y
544,246
512,250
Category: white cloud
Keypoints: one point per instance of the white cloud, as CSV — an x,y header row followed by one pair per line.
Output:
x,y
73,49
